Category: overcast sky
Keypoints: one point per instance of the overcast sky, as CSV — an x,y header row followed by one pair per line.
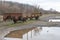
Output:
x,y
45,4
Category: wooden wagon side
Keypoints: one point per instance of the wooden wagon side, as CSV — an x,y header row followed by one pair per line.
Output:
x,y
8,15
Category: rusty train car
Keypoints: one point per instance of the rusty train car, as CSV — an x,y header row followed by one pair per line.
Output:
x,y
17,15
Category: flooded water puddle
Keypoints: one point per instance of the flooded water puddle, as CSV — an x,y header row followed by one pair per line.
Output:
x,y
54,20
38,33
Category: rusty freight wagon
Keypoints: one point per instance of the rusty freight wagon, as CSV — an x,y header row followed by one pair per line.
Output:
x,y
17,15
10,15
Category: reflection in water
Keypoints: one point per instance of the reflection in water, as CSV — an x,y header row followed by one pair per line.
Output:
x,y
23,34
40,33
37,30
